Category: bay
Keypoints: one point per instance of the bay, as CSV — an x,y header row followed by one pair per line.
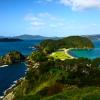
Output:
x,y
91,54
11,73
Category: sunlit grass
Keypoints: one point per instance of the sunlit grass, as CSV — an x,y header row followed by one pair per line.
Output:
x,y
62,55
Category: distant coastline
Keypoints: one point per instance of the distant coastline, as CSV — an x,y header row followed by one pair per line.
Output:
x,y
10,40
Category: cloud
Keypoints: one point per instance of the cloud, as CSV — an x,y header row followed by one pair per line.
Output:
x,y
36,23
34,20
75,4
81,4
43,20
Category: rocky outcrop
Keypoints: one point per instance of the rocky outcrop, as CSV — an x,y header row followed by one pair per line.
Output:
x,y
12,58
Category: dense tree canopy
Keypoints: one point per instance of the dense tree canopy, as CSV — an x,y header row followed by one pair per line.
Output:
x,y
67,42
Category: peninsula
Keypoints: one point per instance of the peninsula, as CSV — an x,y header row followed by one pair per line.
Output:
x,y
59,76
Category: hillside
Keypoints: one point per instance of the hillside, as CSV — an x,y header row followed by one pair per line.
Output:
x,y
31,37
48,78
66,42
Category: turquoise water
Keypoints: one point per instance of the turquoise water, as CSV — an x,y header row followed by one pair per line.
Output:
x,y
92,53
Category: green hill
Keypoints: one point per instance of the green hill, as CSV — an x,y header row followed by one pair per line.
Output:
x,y
67,42
54,79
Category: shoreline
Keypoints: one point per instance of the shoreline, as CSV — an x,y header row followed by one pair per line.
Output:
x,y
12,85
68,51
8,93
68,54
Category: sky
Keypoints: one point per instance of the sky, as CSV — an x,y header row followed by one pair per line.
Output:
x,y
49,17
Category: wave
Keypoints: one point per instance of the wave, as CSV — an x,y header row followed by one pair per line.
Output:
x,y
4,66
1,97
15,83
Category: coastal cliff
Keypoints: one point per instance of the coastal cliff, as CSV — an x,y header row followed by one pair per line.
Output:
x,y
52,79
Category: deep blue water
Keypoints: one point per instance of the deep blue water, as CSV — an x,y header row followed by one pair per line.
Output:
x,y
10,74
93,53
25,47
16,71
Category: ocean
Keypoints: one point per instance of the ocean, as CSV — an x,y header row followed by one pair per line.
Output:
x,y
14,72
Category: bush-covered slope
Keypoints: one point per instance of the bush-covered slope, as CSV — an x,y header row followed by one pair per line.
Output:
x,y
53,79
67,42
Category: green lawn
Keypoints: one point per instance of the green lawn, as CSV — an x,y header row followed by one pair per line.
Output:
x,y
61,55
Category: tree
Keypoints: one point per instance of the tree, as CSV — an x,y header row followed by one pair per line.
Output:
x,y
37,56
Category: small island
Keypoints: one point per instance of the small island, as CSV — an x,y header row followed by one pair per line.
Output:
x,y
10,40
49,46
11,58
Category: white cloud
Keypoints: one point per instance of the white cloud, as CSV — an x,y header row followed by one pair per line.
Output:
x,y
36,23
81,4
34,20
46,15
43,20
75,4
31,17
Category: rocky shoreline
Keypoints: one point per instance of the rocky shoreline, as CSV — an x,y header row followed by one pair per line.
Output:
x,y
8,94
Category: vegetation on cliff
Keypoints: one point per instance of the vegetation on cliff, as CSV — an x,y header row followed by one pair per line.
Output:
x,y
53,79
50,78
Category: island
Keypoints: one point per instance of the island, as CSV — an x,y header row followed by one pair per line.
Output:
x,y
10,40
50,45
51,78
11,58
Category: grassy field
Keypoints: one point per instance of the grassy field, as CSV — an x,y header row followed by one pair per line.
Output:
x,y
61,54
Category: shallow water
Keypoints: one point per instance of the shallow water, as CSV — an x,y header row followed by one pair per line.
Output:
x,y
92,53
